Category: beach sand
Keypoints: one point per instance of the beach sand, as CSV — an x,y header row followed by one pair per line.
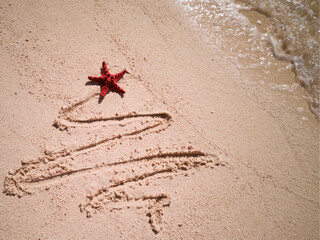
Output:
x,y
193,149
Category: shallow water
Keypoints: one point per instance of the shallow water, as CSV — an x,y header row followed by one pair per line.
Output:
x,y
254,32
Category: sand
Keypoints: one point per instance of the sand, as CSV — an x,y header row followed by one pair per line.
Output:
x,y
192,150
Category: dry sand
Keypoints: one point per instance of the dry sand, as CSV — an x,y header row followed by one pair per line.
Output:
x,y
191,151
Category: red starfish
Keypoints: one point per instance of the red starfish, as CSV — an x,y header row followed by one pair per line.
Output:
x,y
108,81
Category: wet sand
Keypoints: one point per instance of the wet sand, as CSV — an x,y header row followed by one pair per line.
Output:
x,y
193,150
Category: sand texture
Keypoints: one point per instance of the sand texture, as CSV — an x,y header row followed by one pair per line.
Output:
x,y
192,150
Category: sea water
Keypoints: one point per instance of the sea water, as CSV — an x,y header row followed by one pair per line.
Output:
x,y
252,32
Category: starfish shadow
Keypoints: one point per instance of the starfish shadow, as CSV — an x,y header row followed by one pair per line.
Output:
x,y
100,99
90,83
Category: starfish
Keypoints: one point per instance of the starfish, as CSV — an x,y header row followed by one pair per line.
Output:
x,y
108,81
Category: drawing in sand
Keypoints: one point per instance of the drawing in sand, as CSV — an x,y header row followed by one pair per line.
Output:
x,y
55,167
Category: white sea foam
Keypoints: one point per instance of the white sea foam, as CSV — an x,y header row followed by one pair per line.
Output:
x,y
292,35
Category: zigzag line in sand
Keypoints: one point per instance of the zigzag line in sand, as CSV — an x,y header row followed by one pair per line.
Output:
x,y
37,176
55,167
173,162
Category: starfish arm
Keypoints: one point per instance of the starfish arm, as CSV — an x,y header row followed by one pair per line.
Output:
x,y
118,89
99,80
104,90
105,70
119,75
